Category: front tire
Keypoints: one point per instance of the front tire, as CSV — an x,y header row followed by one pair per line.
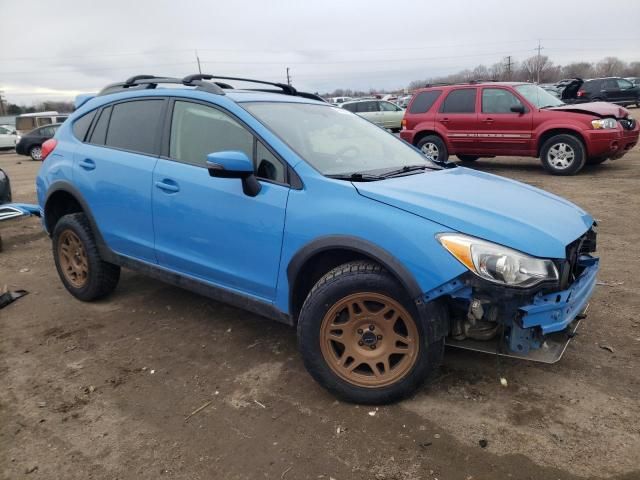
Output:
x,y
434,148
563,154
83,273
35,152
361,337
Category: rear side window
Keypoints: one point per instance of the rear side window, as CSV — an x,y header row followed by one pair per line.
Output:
x,y
81,126
424,101
99,134
134,125
364,107
352,107
462,100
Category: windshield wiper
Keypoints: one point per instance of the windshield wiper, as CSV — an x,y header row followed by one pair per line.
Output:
x,y
406,169
357,177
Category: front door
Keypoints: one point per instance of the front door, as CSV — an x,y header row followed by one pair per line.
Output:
x,y
369,109
458,119
501,131
206,227
391,115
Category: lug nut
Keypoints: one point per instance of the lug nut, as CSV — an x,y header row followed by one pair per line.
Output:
x,y
379,337
372,327
361,343
360,331
373,347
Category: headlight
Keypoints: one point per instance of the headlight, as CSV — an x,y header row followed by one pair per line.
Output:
x,y
604,123
496,263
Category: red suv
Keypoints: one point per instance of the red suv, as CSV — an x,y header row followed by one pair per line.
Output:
x,y
504,118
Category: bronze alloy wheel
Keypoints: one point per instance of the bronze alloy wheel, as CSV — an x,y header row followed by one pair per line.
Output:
x,y
369,340
73,259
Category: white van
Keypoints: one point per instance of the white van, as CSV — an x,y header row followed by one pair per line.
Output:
x,y
28,121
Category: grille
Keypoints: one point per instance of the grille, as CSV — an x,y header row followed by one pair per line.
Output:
x,y
628,123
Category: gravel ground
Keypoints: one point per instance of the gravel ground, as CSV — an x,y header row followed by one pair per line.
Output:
x,y
103,390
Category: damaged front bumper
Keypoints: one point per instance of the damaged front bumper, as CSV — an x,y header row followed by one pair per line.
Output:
x,y
13,210
524,324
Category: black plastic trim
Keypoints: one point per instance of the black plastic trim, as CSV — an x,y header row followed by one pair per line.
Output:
x,y
358,245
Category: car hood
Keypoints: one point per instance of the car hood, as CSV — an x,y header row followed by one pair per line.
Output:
x,y
599,109
486,206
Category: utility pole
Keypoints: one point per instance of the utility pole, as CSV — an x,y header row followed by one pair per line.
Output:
x,y
538,63
508,66
288,77
198,60
2,110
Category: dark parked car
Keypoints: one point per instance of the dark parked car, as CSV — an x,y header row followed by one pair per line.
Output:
x,y
31,143
612,89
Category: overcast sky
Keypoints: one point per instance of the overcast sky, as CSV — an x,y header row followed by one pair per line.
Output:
x,y
55,49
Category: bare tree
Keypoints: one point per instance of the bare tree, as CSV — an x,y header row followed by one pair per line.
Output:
x,y
538,69
578,70
610,67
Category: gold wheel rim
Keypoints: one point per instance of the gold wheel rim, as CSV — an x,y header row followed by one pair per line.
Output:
x,y
73,259
369,340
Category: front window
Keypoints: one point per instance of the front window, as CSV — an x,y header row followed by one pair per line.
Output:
x,y
334,141
537,96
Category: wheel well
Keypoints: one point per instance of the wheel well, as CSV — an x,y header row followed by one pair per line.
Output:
x,y
559,131
419,136
60,203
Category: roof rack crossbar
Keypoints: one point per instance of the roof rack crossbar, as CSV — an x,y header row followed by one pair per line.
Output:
x,y
286,89
143,82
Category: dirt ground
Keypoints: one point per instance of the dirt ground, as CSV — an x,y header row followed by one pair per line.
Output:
x,y
104,390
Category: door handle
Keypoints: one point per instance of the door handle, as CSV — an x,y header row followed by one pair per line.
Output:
x,y
488,120
168,186
444,120
87,164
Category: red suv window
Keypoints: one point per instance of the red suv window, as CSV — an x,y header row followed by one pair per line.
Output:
x,y
462,100
424,101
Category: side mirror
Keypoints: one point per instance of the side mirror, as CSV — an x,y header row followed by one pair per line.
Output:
x,y
517,109
234,164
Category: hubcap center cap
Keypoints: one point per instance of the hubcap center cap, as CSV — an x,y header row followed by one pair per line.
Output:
x,y
369,338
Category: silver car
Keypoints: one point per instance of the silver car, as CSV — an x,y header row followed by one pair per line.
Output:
x,y
382,113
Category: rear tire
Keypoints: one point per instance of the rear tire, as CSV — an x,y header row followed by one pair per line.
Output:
x,y
348,357
563,154
467,158
35,152
83,273
434,148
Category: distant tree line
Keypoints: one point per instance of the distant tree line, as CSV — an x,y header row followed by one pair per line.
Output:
x,y
61,107
533,69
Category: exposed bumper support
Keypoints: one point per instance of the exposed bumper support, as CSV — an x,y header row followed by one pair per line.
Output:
x,y
13,210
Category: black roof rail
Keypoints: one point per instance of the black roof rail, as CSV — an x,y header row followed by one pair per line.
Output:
x,y
446,84
286,89
198,80
144,82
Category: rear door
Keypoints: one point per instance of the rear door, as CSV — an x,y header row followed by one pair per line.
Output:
x,y
459,120
611,91
501,131
113,171
7,140
369,109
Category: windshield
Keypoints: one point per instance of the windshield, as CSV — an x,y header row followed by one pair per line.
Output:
x,y
538,96
335,141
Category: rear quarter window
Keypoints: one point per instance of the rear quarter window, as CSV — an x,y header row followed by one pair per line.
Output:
x,y
462,100
81,125
424,101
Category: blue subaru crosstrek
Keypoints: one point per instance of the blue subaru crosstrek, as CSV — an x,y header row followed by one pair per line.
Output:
x,y
273,201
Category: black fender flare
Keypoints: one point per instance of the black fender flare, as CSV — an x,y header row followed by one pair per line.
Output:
x,y
67,187
438,325
358,245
